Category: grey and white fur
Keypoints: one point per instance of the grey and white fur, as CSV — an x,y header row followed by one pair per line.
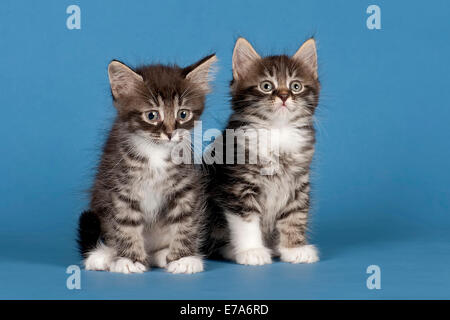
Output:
x,y
145,209
254,216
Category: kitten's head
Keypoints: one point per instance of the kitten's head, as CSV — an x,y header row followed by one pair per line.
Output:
x,y
275,87
154,101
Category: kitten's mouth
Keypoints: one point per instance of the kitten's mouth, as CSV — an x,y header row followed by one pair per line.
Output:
x,y
171,141
166,140
282,103
282,106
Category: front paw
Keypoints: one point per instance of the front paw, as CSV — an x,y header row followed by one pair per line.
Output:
x,y
254,257
191,264
302,254
125,265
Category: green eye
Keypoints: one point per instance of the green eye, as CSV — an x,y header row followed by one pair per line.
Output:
x,y
184,114
266,86
153,115
296,86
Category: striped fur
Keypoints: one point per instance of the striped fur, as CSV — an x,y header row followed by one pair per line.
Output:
x,y
150,209
255,216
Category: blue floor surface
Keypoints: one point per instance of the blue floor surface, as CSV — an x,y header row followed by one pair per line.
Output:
x,y
413,261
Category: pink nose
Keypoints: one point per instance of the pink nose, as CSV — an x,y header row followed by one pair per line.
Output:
x,y
283,97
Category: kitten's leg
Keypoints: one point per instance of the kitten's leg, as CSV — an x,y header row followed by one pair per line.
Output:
x,y
129,244
246,240
184,250
292,225
125,235
243,214
183,254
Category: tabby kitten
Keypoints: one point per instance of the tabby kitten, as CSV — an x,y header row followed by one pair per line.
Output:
x,y
260,210
146,210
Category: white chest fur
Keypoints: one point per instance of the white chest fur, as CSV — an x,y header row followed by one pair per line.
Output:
x,y
279,184
272,142
287,137
147,185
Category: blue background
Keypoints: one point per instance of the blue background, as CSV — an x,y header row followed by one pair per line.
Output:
x,y
381,172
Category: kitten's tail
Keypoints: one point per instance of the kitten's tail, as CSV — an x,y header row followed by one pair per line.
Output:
x,y
88,232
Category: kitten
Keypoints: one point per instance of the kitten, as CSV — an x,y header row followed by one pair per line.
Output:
x,y
145,209
261,210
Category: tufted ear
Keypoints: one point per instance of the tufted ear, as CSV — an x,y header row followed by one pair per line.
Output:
x,y
122,79
243,57
307,54
200,72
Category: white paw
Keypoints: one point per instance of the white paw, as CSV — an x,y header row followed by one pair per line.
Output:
x,y
304,254
125,265
254,257
190,264
99,259
159,258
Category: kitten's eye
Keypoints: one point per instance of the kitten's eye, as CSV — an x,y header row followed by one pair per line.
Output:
x,y
152,116
296,86
184,115
266,86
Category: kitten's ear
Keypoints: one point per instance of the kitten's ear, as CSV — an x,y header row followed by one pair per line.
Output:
x,y
307,54
122,79
200,72
243,57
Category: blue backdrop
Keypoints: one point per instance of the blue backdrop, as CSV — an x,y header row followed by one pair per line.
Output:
x,y
381,172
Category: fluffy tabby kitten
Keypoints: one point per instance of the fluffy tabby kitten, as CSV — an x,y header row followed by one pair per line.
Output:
x,y
256,215
145,209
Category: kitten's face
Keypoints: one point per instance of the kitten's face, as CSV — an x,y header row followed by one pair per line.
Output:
x,y
275,87
157,102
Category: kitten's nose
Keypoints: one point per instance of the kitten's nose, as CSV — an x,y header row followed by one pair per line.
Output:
x,y
283,95
168,130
